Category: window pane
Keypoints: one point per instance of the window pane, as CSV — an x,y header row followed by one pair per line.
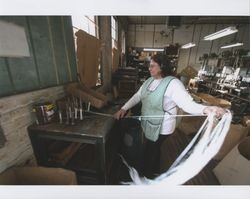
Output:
x,y
91,18
114,32
92,29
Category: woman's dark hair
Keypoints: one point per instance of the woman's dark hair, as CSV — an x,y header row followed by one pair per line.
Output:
x,y
164,63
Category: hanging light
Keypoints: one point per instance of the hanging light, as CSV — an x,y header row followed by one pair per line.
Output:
x,y
222,33
189,45
232,45
154,49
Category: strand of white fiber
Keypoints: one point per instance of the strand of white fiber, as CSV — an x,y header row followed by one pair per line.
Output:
x,y
203,147
145,116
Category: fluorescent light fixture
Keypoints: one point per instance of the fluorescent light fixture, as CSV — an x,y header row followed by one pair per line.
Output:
x,y
232,45
227,31
189,45
154,49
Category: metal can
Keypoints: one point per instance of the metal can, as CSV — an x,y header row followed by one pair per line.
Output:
x,y
44,112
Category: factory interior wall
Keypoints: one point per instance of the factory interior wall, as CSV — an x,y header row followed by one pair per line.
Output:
x,y
150,36
51,61
15,116
16,109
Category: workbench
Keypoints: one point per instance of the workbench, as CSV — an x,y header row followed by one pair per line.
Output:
x,y
98,141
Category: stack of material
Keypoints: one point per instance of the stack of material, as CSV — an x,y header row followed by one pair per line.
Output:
x,y
98,100
127,73
189,72
126,81
214,101
186,74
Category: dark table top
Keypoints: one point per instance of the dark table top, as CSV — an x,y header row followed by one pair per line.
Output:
x,y
92,125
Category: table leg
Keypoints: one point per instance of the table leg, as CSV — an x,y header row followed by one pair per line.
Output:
x,y
101,162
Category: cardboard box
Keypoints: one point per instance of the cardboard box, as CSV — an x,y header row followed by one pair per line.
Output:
x,y
88,56
189,71
234,169
190,125
98,100
37,176
234,136
213,101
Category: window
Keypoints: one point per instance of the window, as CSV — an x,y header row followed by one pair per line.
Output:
x,y
114,32
90,25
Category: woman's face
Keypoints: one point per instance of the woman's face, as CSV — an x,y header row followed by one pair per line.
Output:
x,y
155,70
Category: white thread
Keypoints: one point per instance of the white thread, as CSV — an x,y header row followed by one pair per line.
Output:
x,y
145,116
203,147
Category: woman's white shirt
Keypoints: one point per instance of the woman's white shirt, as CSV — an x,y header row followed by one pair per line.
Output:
x,y
175,95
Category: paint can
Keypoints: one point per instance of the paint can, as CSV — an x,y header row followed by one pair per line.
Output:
x,y
45,112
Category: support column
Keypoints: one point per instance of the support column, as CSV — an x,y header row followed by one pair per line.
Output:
x,y
106,53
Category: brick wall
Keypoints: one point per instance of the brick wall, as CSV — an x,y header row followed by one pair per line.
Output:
x,y
15,117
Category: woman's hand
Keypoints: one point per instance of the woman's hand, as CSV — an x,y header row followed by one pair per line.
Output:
x,y
219,112
120,114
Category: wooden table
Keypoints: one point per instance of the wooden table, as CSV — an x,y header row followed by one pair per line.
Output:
x,y
93,131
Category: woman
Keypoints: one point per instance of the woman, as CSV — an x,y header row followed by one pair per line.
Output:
x,y
160,95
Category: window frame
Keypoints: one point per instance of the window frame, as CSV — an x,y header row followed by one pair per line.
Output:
x,y
114,32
